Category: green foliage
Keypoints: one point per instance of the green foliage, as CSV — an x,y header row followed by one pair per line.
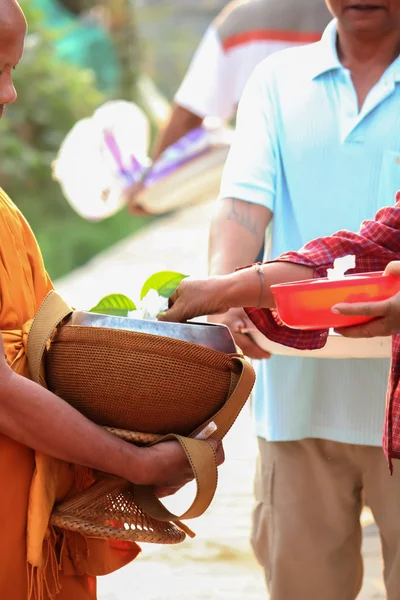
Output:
x,y
164,282
114,304
52,96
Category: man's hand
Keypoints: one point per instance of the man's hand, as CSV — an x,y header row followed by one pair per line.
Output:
x,y
237,321
180,123
385,314
167,468
197,298
132,197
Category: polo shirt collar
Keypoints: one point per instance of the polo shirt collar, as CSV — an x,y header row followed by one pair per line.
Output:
x,y
326,56
327,59
396,70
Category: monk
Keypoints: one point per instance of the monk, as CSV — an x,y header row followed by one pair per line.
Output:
x,y
40,435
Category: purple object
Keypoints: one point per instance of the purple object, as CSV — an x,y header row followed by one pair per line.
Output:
x,y
161,168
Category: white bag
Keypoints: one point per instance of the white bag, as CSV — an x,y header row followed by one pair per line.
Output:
x,y
87,169
103,155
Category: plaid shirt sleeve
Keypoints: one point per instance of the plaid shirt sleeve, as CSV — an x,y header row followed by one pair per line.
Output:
x,y
376,244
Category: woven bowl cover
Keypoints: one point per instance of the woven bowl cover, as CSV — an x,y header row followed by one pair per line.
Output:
x,y
108,509
140,439
138,382
132,382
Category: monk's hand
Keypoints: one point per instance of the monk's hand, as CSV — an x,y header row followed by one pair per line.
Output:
x,y
195,298
385,315
167,467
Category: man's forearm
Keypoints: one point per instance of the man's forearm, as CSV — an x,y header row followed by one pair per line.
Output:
x,y
40,420
236,235
244,288
180,123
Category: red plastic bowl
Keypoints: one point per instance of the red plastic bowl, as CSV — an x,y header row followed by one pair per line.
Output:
x,y
307,304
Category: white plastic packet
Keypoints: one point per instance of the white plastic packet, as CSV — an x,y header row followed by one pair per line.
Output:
x,y
150,307
341,266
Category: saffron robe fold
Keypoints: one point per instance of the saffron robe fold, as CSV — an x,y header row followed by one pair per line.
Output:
x,y
36,562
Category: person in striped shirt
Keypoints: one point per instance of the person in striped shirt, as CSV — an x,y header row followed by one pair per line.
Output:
x,y
240,37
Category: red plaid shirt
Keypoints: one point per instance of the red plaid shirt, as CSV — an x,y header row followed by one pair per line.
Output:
x,y
377,244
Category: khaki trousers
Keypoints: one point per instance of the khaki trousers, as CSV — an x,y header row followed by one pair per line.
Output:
x,y
306,524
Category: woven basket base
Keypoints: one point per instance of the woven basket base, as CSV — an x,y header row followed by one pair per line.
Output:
x,y
108,509
140,439
169,535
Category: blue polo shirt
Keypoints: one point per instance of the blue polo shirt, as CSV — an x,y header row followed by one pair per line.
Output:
x,y
304,150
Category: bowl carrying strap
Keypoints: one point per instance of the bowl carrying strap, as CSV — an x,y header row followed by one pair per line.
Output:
x,y
200,453
50,314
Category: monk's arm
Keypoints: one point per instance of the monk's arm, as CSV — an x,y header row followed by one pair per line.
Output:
x,y
40,420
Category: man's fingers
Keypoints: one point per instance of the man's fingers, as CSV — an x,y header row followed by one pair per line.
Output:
x,y
236,325
136,209
375,328
173,315
393,268
173,298
250,348
363,309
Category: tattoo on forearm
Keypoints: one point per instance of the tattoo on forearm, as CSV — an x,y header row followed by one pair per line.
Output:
x,y
241,213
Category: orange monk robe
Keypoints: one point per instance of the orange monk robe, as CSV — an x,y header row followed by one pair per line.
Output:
x,y
29,482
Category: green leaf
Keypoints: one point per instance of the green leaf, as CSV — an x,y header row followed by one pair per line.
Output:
x,y
164,282
114,304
